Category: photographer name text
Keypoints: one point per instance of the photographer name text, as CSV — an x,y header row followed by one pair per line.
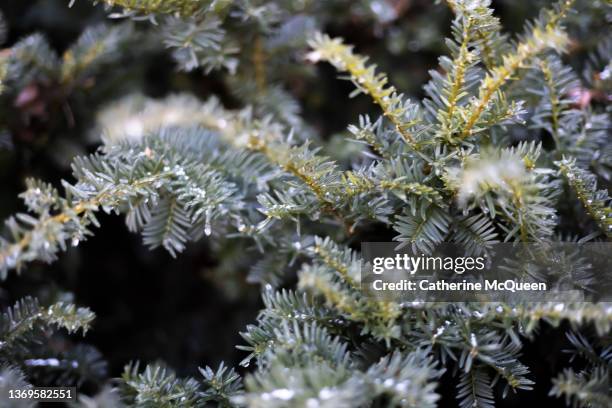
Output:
x,y
508,285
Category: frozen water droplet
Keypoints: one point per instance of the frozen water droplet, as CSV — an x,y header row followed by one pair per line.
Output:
x,y
207,226
439,332
312,403
75,241
284,394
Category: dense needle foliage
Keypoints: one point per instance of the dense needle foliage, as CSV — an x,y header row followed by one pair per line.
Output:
x,y
507,142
